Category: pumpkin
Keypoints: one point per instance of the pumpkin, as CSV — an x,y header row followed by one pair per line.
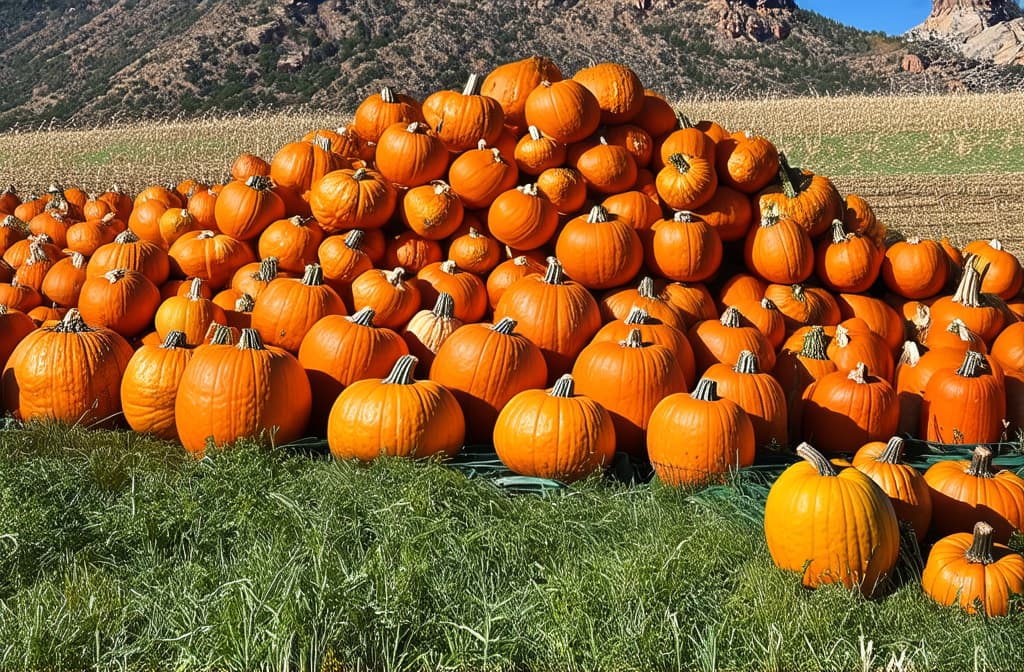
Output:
x,y
463,119
191,314
296,166
779,250
34,269
843,410
914,268
12,230
766,317
467,290
475,252
432,210
729,211
412,251
955,335
564,110
879,316
342,259
1008,347
87,237
122,300
247,390
848,262
507,272
974,572
1004,276
478,175
246,165
352,199
564,187
254,277
396,415
746,162
536,152
70,372
809,200
379,111
607,168
696,438
686,139
214,257
635,207
14,326
964,405
20,297
684,248
618,91
858,217
293,242
598,250
618,304
556,313
554,433
628,378
692,299
393,298
833,525
803,305
522,218
411,155
686,182
723,340
853,343
652,330
882,461
244,209
760,396
511,83
966,491
149,384
288,307
982,313
428,329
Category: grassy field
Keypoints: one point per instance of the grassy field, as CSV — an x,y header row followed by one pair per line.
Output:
x,y
117,552
929,165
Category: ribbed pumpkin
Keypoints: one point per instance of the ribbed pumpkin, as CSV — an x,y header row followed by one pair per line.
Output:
x,y
129,252
393,298
244,209
14,326
228,393
848,262
652,330
427,330
288,307
803,305
397,416
191,314
564,110
343,259
70,372
507,272
1004,275
293,242
149,385
628,378
855,343
410,155
809,200
972,571
557,314
522,218
686,182
746,162
478,175
966,491
484,366
618,91
766,317
338,350
352,199
432,210
843,410
462,119
598,250
475,251
214,257
914,268
536,152
965,405
467,290
698,437
564,187
833,525
618,304
982,313
724,339
122,300
554,433
882,461
684,248
382,109
606,168
759,394
779,249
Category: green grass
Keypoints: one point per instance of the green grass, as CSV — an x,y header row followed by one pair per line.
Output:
x,y
116,551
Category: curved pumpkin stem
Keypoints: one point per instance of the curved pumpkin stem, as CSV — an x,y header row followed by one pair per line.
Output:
x,y
957,326
449,266
968,292
195,290
980,552
637,315
444,307
839,234
401,373
842,337
747,363
770,215
505,326
646,288
115,275
893,453
706,389
684,217
798,293
555,274
175,339
529,189
789,177
363,317
911,353
395,276
250,339
565,387
322,142
820,462
360,175
981,463
126,236
12,222
974,365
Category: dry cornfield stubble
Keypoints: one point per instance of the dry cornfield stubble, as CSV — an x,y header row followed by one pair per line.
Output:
x,y
929,165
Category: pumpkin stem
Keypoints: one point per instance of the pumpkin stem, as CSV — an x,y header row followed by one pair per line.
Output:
x,y
633,340
598,215
250,339
267,270
71,324
554,275
683,216
195,290
4,309
259,182
968,292
957,326
36,254
127,236
815,344
386,94
893,453
911,353
354,239
449,266
768,304
313,275
360,174
472,87
115,274
859,374
12,222
842,337
786,177
770,216
705,390
401,374
646,288
747,363
798,293
363,317
245,303
444,307
505,326
839,235
175,339
565,387
322,142
974,365
535,133
980,552
679,162
530,189
820,462
220,334
395,276
637,315
981,463
78,260
684,120
731,318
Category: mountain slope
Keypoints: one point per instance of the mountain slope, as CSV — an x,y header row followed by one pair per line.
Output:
x,y
112,59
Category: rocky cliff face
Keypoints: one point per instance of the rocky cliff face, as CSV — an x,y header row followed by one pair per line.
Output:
x,y
984,30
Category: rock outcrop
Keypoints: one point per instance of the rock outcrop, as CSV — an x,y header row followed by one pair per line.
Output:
x,y
983,30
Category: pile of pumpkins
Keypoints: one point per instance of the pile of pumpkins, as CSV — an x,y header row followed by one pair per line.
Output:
x,y
562,267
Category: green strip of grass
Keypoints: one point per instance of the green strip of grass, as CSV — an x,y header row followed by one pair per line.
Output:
x,y
116,551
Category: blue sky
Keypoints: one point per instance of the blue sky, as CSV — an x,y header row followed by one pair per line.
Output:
x,y
889,16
